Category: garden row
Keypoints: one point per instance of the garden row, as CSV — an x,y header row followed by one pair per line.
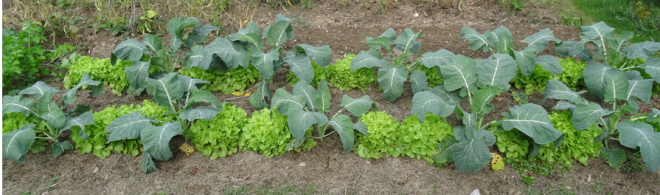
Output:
x,y
618,73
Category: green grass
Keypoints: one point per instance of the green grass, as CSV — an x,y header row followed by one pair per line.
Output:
x,y
621,15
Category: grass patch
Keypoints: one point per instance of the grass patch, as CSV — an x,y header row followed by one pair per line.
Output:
x,y
619,14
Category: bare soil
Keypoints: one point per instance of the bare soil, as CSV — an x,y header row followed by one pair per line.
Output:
x,y
327,168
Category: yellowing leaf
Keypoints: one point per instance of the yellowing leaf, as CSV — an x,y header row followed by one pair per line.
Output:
x,y
239,93
151,13
643,11
185,148
497,164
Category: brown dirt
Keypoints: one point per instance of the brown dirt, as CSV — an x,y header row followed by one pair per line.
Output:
x,y
328,169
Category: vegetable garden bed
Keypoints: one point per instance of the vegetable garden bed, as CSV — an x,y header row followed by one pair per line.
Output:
x,y
412,105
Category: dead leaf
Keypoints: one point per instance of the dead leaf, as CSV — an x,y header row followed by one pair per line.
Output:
x,y
188,149
287,168
499,99
194,171
246,176
96,170
302,164
643,11
241,93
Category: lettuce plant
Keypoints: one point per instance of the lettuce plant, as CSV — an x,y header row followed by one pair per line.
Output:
x,y
410,138
512,143
391,77
219,136
50,119
534,82
179,94
572,73
233,80
480,82
151,52
571,76
340,75
420,140
267,132
98,69
13,121
578,145
306,107
382,129
616,85
343,78
432,75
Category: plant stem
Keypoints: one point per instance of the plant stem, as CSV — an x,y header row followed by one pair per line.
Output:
x,y
325,127
469,96
333,116
188,123
186,102
605,141
52,131
389,52
176,60
324,136
637,118
488,124
49,136
606,127
631,67
481,120
604,49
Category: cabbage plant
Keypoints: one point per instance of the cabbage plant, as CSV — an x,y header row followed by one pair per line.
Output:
x,y
479,82
151,52
306,107
49,118
614,79
181,94
392,76
246,47
500,41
